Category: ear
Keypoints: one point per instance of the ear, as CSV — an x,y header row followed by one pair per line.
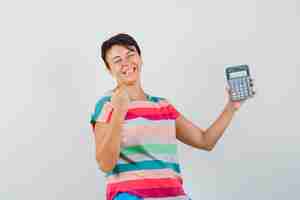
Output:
x,y
142,60
142,63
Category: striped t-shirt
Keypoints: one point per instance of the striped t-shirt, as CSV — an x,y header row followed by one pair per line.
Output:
x,y
148,166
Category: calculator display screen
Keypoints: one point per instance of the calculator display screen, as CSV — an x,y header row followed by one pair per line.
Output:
x,y
238,74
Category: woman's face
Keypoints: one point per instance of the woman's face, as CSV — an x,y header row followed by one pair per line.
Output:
x,y
125,64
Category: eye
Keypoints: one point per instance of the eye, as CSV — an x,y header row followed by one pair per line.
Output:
x,y
130,55
117,61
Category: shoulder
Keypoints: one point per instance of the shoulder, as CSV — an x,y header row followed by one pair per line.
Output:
x,y
104,98
164,102
156,99
101,106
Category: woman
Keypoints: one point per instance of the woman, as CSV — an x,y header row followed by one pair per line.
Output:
x,y
135,132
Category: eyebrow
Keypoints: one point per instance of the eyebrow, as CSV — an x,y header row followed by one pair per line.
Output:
x,y
116,57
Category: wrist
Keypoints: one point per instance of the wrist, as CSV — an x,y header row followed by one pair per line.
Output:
x,y
230,107
120,111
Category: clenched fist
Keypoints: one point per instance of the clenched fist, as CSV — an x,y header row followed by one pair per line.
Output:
x,y
120,99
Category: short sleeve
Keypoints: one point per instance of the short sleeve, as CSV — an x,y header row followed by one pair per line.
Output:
x,y
172,111
102,112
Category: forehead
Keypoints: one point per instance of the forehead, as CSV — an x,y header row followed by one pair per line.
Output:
x,y
118,50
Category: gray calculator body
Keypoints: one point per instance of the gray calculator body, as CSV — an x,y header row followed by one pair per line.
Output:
x,y
239,81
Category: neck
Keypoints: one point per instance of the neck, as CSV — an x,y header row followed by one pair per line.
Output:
x,y
136,93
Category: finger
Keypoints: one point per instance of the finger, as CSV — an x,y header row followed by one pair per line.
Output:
x,y
237,104
251,83
227,88
228,92
122,90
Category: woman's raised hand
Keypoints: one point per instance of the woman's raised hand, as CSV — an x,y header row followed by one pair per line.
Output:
x,y
120,98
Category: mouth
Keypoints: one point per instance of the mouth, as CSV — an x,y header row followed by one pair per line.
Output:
x,y
130,71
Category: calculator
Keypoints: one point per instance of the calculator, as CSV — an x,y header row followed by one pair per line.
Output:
x,y
240,82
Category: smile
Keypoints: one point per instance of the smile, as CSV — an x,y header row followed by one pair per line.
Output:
x,y
130,71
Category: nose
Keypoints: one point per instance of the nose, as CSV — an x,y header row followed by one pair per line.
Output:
x,y
125,63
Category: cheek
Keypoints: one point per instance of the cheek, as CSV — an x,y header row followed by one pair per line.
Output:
x,y
138,62
113,73
115,69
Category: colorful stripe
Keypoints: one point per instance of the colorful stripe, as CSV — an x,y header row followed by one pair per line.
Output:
x,y
160,192
161,113
142,174
181,197
144,165
146,139
144,188
99,108
143,157
126,196
105,115
151,148
142,121
149,130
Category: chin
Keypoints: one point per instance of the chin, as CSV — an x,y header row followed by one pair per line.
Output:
x,y
131,81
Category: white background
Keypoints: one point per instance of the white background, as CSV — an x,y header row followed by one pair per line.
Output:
x,y
52,74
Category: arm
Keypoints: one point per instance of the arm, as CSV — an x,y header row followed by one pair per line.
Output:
x,y
192,135
108,135
108,141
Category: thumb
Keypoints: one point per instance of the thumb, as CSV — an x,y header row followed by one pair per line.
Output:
x,y
120,79
228,92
